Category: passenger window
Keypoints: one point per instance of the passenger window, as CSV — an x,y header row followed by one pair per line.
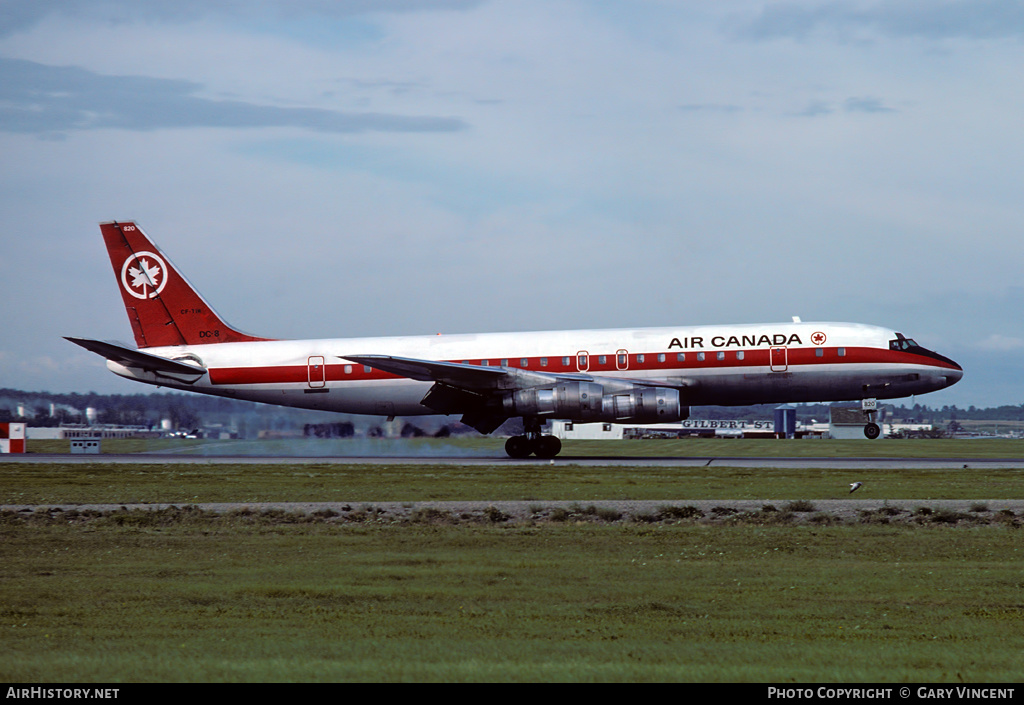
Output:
x,y
819,352
524,362
842,352
661,357
739,354
543,362
680,357
640,359
720,355
700,357
602,360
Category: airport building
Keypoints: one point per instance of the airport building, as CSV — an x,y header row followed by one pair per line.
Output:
x,y
709,428
81,431
843,423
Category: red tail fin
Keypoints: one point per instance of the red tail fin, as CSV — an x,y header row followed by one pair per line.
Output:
x,y
163,308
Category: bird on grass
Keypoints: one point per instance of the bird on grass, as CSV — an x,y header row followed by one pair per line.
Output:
x,y
854,486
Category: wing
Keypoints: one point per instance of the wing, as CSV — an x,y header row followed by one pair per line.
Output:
x,y
130,357
453,373
462,375
459,388
476,391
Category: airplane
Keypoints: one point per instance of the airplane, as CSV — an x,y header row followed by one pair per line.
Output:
x,y
626,376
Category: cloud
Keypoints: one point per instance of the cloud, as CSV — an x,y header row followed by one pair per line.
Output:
x,y
18,15
866,105
817,108
927,19
36,98
714,108
1001,343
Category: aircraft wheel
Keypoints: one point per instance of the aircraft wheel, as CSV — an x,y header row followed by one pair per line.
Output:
x,y
518,447
547,447
872,431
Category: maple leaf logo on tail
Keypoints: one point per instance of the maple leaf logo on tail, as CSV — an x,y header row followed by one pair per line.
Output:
x,y
144,276
147,272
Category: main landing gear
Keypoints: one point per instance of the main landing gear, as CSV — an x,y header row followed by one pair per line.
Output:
x,y
532,442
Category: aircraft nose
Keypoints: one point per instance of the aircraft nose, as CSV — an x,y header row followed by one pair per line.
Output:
x,y
951,371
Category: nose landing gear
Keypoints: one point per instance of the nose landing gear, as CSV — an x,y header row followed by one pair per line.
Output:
x,y
870,408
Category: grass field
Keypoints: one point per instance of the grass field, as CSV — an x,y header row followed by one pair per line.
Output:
x,y
225,600
191,596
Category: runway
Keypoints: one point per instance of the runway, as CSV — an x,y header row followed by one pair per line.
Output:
x,y
502,460
841,507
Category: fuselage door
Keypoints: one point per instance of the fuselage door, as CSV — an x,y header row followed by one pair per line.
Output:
x,y
621,360
316,372
779,359
582,361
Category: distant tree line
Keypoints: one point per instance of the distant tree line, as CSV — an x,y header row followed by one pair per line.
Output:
x,y
193,410
55,409
190,411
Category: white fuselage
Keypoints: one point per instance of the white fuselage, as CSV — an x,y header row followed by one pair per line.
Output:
x,y
721,365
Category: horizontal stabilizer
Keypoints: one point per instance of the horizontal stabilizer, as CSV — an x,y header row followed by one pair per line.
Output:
x,y
129,357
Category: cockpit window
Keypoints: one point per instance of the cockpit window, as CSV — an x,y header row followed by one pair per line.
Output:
x,y
902,343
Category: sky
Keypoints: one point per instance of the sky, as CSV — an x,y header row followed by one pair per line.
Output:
x,y
398,167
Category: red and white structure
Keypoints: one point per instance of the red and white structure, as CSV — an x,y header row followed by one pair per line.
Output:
x,y
12,437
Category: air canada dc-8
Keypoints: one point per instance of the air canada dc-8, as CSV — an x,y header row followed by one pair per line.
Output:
x,y
628,376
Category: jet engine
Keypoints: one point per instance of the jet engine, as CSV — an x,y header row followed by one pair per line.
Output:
x,y
589,401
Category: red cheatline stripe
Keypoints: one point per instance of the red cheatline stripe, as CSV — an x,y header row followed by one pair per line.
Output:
x,y
794,357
